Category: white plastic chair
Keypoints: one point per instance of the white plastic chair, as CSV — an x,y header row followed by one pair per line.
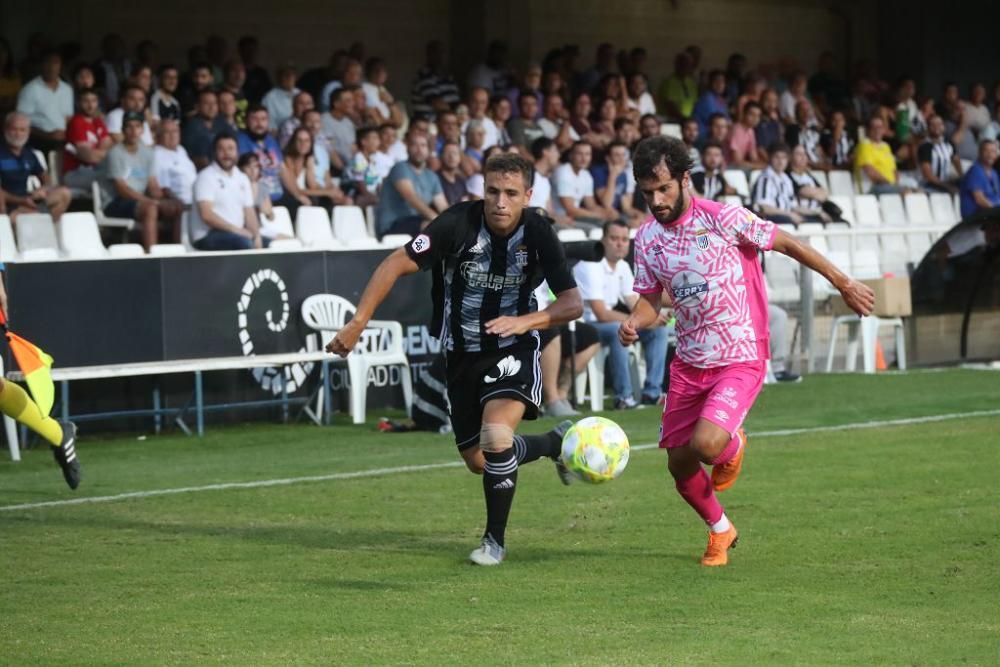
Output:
x,y
841,183
732,200
79,236
895,253
36,231
349,223
570,235
395,240
821,178
754,175
282,222
596,234
327,314
104,221
312,227
362,243
867,212
594,377
943,210
782,277
891,208
167,249
40,255
918,210
126,250
8,246
285,245
737,179
671,130
846,205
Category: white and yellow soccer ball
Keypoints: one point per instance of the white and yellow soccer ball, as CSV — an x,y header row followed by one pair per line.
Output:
x,y
595,449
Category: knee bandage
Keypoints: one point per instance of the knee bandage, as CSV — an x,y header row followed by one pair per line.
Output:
x,y
496,438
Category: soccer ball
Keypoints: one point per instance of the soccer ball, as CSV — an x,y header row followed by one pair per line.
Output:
x,y
595,449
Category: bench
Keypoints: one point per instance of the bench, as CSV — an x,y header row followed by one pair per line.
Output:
x,y
64,376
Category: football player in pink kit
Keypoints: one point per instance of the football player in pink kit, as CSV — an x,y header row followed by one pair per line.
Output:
x,y
705,254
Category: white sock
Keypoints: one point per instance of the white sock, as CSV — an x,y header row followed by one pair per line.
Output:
x,y
722,525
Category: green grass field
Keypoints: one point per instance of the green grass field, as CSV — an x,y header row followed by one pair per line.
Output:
x,y
875,546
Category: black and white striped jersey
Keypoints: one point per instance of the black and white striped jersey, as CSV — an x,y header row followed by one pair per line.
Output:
x,y
709,186
804,180
838,149
940,154
479,276
774,189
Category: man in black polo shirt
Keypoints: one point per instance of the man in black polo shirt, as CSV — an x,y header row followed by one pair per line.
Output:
x,y
488,256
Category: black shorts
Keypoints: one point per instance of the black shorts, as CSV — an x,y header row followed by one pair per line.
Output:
x,y
476,377
585,334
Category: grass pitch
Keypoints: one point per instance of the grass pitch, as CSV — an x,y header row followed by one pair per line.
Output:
x,y
858,547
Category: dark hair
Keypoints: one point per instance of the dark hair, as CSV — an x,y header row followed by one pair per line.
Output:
x,y
222,136
201,64
615,144
715,116
576,144
539,146
526,92
131,86
364,131
778,147
86,91
711,143
649,115
207,91
510,163
653,152
716,72
621,122
689,119
291,150
166,66
246,159
617,222
751,105
254,108
79,68
384,126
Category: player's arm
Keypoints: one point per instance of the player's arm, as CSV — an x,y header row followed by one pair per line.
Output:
x,y
859,297
388,272
568,306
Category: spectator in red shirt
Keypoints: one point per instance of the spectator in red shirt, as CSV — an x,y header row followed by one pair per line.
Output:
x,y
87,141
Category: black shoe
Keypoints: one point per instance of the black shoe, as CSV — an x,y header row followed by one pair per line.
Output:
x,y
787,376
652,400
65,455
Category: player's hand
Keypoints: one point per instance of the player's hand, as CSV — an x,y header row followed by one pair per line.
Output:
x,y
507,326
627,333
859,297
345,340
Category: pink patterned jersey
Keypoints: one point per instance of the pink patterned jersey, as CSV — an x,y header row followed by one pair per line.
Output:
x,y
707,260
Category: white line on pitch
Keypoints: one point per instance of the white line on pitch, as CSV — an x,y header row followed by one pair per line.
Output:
x,y
378,472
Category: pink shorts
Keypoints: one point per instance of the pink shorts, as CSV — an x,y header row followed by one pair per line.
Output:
x,y
722,395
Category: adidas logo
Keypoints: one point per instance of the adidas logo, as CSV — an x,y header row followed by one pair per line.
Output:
x,y
476,249
507,367
505,484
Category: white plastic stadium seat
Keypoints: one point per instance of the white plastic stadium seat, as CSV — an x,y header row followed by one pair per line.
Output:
x,y
737,178
281,225
732,200
326,314
671,130
362,243
595,234
846,204
841,183
36,231
40,255
894,254
285,245
8,246
943,210
782,277
570,235
167,249
79,236
918,210
821,178
395,240
312,227
754,175
893,213
867,212
103,220
866,264
349,223
125,250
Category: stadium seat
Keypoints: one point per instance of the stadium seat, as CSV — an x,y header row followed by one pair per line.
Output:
x,y
79,236
894,253
285,245
866,264
782,276
326,314
754,175
919,245
8,247
362,243
36,231
846,205
841,183
596,234
892,210
671,130
40,255
821,178
737,179
167,249
102,220
943,210
349,224
395,240
732,200
282,222
126,250
312,227
570,235
863,184
918,210
866,211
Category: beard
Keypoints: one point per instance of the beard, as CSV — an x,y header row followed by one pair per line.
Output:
x,y
671,216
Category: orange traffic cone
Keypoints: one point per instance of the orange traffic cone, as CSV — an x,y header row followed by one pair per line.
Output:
x,y
879,357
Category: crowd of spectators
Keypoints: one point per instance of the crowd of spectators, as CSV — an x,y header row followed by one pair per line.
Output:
x,y
143,130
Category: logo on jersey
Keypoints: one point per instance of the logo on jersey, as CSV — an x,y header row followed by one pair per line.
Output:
x,y
689,288
722,415
521,256
476,249
421,244
701,239
506,367
477,278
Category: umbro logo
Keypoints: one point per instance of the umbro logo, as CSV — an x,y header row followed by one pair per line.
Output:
x,y
505,484
507,367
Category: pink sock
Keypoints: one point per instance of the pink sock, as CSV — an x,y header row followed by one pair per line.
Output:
x,y
729,452
697,491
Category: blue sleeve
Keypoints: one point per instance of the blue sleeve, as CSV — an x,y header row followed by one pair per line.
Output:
x,y
976,180
244,144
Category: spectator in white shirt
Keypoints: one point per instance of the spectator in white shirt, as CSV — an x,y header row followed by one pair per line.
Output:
x,y
223,216
47,101
279,100
172,167
574,188
163,105
554,123
639,98
390,144
378,99
133,101
479,102
608,298
546,155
